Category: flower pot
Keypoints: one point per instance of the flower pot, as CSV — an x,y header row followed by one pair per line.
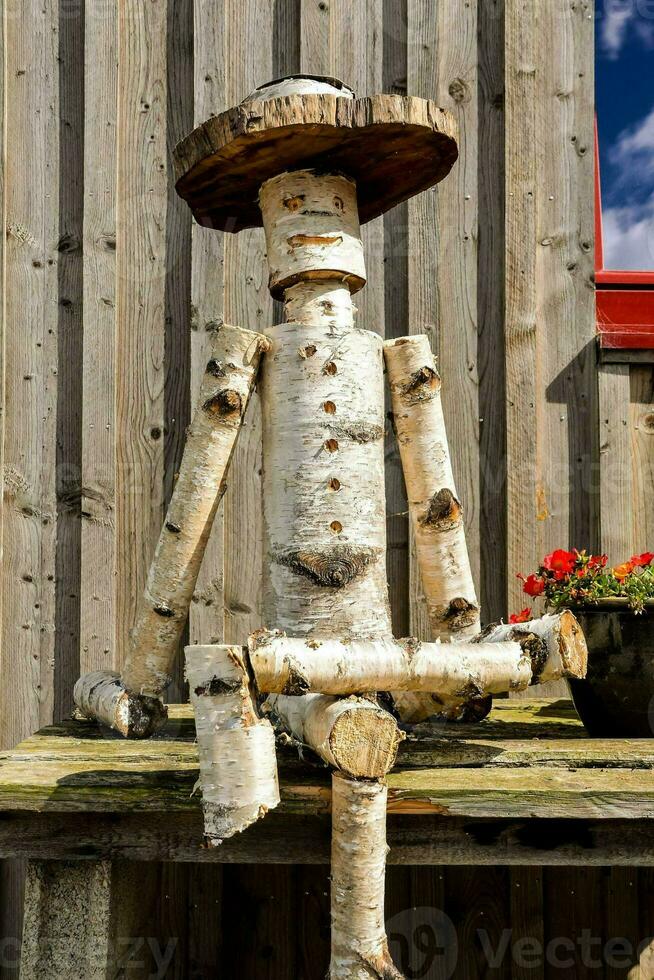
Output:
x,y
616,699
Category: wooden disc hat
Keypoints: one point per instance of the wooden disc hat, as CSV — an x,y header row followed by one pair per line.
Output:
x,y
393,147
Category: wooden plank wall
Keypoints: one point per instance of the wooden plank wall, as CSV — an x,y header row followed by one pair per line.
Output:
x,y
109,298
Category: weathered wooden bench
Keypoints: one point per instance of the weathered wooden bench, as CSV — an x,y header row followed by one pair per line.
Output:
x,y
527,786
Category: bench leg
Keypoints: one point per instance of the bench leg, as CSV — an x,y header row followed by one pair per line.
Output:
x,y
77,915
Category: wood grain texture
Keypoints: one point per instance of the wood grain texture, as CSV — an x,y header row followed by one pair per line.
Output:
x,y
31,317
142,197
207,301
249,30
520,313
642,454
98,506
616,468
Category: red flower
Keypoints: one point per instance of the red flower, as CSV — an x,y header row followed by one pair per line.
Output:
x,y
598,561
640,561
533,585
560,562
522,617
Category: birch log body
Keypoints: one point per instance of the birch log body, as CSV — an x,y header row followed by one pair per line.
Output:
x,y
228,381
312,230
284,665
324,502
359,949
564,652
101,696
353,735
238,766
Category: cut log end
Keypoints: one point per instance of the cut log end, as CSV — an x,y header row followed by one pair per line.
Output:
x,y
572,646
102,697
222,822
364,744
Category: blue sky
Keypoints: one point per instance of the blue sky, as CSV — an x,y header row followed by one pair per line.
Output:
x,y
625,110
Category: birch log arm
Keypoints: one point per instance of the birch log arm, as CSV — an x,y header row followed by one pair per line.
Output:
x,y
238,765
435,511
359,943
510,661
228,380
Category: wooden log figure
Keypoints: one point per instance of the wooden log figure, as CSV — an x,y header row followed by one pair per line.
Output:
x,y
308,161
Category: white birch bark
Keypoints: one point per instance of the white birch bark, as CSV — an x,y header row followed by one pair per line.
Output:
x,y
284,665
101,696
353,735
434,507
228,381
436,513
324,503
359,944
238,765
564,652
312,230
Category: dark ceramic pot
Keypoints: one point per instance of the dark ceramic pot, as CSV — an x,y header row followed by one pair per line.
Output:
x,y
616,699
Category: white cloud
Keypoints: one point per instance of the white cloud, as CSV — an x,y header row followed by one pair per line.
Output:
x,y
614,26
629,236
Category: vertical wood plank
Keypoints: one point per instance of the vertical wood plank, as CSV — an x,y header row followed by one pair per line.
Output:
x,y
313,924
453,66
490,310
567,402
249,32
315,52
642,454
622,924
31,327
262,944
69,356
527,924
207,298
31,186
616,476
396,309
574,912
356,42
98,510
520,293
422,241
205,940
477,902
177,270
141,299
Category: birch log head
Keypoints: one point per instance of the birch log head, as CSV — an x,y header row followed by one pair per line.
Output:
x,y
359,943
228,380
312,230
238,765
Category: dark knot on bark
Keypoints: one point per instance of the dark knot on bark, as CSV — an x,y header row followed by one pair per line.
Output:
x,y
224,404
535,648
332,567
421,386
460,614
444,512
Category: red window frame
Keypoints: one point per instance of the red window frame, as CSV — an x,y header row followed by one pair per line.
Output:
x,y
624,299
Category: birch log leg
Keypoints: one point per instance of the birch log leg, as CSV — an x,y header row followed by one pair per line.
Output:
x,y
436,513
238,765
359,943
131,705
353,735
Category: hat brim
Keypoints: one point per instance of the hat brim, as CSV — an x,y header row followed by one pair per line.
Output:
x,y
393,146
